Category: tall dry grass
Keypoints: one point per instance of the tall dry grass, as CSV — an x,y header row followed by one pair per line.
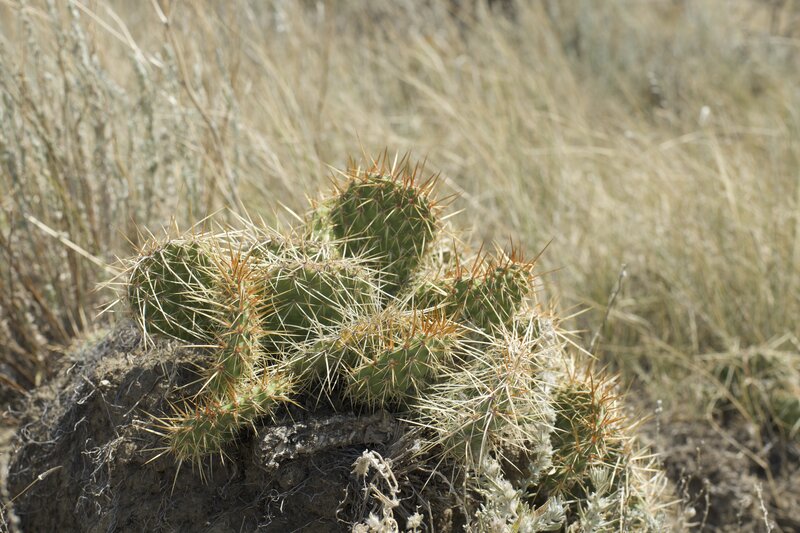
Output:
x,y
95,144
663,136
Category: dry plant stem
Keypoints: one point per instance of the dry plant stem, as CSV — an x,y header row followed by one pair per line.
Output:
x,y
79,177
611,301
233,200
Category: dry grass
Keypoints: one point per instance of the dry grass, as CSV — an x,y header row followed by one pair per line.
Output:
x,y
663,136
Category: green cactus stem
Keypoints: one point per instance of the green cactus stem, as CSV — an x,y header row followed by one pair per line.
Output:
x,y
387,217
169,290
398,355
239,328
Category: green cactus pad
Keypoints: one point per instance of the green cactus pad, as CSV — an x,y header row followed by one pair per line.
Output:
x,y
305,296
495,400
321,361
497,297
394,373
169,291
588,432
210,427
397,354
486,296
386,218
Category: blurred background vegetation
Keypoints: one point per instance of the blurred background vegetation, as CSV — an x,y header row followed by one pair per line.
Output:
x,y
652,147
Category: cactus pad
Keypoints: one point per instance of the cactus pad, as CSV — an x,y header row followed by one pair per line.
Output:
x,y
386,218
305,296
398,355
486,296
207,429
169,290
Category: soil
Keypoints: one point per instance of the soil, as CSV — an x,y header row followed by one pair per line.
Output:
x,y
728,479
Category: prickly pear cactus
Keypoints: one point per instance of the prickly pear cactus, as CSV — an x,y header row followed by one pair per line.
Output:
x,y
367,312
396,355
388,218
168,289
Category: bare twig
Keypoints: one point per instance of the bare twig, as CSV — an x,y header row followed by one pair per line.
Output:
x,y
612,299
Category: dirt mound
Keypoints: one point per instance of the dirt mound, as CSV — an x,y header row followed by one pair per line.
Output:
x,y
85,460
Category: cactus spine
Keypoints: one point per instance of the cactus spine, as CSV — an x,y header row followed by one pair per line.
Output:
x,y
385,216
168,288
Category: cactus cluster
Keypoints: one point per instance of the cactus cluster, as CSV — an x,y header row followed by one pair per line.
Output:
x,y
368,307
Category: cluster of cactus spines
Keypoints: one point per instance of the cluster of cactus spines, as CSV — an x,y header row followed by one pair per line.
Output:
x,y
168,289
395,355
369,307
388,216
495,400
